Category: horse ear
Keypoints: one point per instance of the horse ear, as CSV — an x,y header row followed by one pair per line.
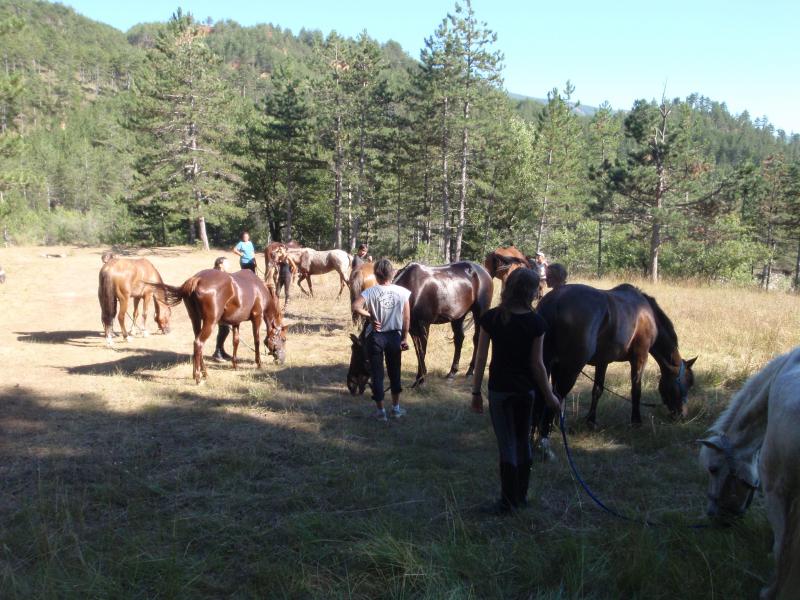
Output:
x,y
691,361
713,441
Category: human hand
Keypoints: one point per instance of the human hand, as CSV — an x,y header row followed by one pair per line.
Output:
x,y
477,403
376,325
404,345
554,402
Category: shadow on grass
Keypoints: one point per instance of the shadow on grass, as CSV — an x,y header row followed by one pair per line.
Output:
x,y
73,338
134,361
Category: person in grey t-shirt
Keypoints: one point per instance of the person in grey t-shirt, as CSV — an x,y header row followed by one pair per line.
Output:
x,y
389,311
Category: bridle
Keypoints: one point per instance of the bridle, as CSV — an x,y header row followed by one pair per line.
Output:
x,y
730,460
682,388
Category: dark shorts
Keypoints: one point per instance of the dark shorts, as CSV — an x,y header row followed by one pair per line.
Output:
x,y
251,266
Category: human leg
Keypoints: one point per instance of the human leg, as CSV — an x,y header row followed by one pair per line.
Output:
x,y
393,356
522,409
375,350
222,335
500,410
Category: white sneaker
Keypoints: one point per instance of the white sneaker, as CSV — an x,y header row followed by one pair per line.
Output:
x,y
543,447
397,412
379,414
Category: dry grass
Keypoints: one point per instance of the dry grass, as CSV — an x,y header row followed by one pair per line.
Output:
x,y
121,478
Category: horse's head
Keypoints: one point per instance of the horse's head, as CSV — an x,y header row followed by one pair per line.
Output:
x,y
732,480
359,371
276,340
674,387
163,314
277,254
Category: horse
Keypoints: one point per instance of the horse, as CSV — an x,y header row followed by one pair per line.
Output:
x,y
361,278
501,261
755,439
317,262
212,297
122,279
597,327
443,294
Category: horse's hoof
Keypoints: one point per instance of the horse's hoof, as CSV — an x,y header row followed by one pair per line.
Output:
x,y
451,376
145,333
126,339
200,381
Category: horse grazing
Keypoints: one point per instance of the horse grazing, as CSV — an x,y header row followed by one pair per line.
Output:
x,y
598,327
445,294
213,297
501,261
122,279
361,278
756,438
318,262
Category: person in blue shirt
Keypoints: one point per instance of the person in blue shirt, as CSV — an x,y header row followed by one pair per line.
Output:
x,y
246,252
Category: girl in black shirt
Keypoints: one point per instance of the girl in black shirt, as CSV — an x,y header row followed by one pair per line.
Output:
x,y
515,372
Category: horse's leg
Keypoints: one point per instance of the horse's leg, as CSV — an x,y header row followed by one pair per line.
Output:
x,y
419,335
148,296
597,391
300,279
135,325
235,344
342,283
310,285
458,340
123,312
205,332
197,322
637,369
256,321
475,335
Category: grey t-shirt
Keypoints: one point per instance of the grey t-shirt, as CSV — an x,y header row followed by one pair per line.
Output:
x,y
385,304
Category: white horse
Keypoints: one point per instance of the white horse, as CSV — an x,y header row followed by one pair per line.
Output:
x,y
758,437
317,262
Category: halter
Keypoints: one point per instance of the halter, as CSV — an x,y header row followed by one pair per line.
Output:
x,y
727,450
684,391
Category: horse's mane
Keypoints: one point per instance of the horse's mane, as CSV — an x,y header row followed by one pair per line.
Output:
x,y
754,389
664,323
403,270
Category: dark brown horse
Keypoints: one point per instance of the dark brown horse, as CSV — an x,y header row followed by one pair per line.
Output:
x,y
501,261
438,295
598,327
212,297
445,295
361,278
122,279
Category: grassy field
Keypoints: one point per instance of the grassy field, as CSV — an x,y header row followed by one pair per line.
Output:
x,y
122,479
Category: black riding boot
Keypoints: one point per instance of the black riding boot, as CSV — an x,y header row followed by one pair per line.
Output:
x,y
523,479
508,491
222,334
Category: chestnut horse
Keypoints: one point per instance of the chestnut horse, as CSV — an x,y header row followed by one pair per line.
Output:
x,y
445,294
212,297
122,279
502,261
361,278
598,327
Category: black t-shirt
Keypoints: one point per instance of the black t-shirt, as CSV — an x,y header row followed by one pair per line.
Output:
x,y
512,343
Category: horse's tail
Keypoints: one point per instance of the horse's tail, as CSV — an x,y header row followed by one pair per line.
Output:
x,y
173,295
107,296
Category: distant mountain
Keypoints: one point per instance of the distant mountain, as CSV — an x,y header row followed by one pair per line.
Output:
x,y
581,110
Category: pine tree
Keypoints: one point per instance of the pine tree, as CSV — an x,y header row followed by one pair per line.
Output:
x,y
184,174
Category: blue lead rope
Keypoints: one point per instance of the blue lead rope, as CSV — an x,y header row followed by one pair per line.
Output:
x,y
593,496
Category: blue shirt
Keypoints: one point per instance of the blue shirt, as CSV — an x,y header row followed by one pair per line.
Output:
x,y
248,252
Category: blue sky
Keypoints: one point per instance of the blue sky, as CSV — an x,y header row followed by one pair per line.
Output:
x,y
743,53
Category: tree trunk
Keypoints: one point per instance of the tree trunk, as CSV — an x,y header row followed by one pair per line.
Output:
x,y
599,248
201,227
543,217
289,207
655,247
462,196
337,186
797,269
445,189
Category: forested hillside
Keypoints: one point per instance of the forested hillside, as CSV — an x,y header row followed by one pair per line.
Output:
x,y
184,131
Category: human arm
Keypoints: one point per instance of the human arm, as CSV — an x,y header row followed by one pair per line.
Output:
x,y
358,307
236,249
292,264
540,375
406,324
481,353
